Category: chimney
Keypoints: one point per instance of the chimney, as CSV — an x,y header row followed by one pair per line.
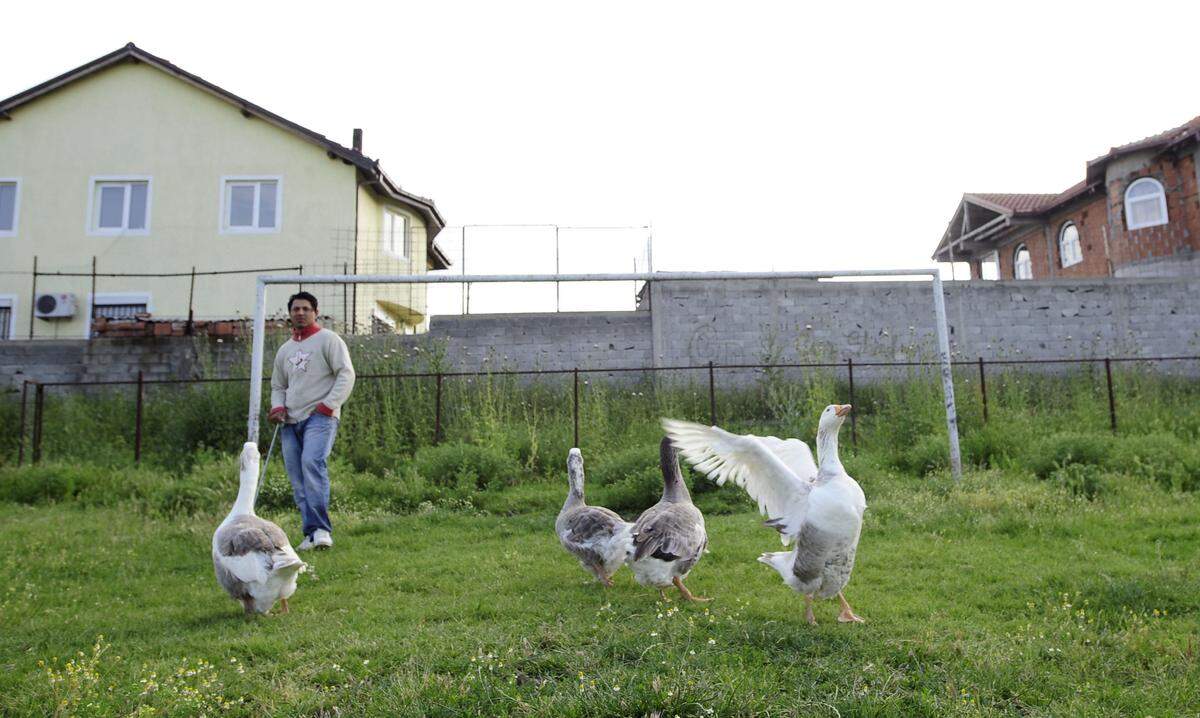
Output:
x,y
357,140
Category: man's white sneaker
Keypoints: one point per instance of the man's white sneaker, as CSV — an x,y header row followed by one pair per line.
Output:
x,y
321,539
306,544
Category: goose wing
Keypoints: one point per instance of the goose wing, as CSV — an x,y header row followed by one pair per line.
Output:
x,y
250,548
763,467
670,532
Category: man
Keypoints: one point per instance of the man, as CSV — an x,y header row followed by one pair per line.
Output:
x,y
311,380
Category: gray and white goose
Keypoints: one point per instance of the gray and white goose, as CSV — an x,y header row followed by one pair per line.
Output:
x,y
252,557
597,536
820,511
669,537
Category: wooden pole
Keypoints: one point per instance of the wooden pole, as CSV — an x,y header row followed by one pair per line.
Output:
x,y
92,302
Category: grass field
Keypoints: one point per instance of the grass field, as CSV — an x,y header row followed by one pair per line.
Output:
x,y
1003,596
1060,578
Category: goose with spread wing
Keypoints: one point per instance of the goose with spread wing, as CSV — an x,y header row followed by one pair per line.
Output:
x,y
252,557
597,536
819,509
669,537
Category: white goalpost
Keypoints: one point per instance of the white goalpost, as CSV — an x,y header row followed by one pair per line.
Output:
x,y
939,310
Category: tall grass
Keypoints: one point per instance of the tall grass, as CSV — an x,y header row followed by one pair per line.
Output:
x,y
898,421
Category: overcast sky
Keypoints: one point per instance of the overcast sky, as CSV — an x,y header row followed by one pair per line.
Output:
x,y
750,135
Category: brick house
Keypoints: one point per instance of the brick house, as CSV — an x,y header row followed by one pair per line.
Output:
x,y
1136,213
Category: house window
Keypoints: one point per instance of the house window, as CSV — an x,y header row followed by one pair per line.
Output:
x,y
395,234
8,316
1069,251
117,306
250,204
1022,264
120,205
989,266
1145,204
9,192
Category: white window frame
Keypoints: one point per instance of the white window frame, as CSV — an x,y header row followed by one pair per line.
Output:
x,y
93,223
10,301
1077,255
387,239
223,216
1029,266
113,298
1162,203
16,225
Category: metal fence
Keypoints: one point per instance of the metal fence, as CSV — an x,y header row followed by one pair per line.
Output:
x,y
32,394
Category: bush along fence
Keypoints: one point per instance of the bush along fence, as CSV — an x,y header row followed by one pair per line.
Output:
x,y
32,403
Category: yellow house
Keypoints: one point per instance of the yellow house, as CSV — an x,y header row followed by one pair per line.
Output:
x,y
129,165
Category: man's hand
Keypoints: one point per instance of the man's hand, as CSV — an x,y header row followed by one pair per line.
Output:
x,y
278,415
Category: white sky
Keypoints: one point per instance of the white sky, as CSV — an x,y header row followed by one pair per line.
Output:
x,y
751,135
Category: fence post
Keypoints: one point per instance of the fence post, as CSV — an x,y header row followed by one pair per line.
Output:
x,y
575,407
345,298
33,297
437,412
191,294
137,422
853,414
92,303
1112,400
712,397
21,441
38,403
983,390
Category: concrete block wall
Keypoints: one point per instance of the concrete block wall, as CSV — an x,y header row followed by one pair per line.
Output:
x,y
729,322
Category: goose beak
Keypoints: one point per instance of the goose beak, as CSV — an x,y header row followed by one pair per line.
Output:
x,y
842,410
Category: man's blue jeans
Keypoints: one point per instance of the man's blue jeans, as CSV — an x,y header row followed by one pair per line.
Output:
x,y
306,446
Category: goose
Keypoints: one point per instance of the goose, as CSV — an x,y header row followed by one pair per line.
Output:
x,y
598,537
252,557
820,511
669,537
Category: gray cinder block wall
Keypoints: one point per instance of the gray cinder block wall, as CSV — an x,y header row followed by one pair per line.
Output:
x,y
728,322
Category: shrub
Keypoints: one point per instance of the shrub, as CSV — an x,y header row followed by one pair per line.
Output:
x,y
925,456
993,446
1052,452
449,465
1164,459
1086,480
616,466
634,493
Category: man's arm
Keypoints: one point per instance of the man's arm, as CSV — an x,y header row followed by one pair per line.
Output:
x,y
279,383
337,355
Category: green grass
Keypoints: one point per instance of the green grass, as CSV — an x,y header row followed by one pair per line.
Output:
x,y
1007,595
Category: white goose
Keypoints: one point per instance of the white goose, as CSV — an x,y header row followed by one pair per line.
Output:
x,y
597,536
820,509
252,557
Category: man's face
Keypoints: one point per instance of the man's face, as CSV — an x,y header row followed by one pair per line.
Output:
x,y
302,313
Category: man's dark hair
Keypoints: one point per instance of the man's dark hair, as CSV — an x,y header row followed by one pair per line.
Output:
x,y
302,295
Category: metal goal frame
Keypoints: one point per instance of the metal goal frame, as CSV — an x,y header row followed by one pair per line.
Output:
x,y
939,310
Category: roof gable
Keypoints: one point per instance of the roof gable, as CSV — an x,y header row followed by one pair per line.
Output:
x,y
374,174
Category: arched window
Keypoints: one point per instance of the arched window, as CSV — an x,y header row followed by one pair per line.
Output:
x,y
1022,264
1069,251
1145,204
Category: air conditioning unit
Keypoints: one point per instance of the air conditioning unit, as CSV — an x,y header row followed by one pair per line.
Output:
x,y
54,306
